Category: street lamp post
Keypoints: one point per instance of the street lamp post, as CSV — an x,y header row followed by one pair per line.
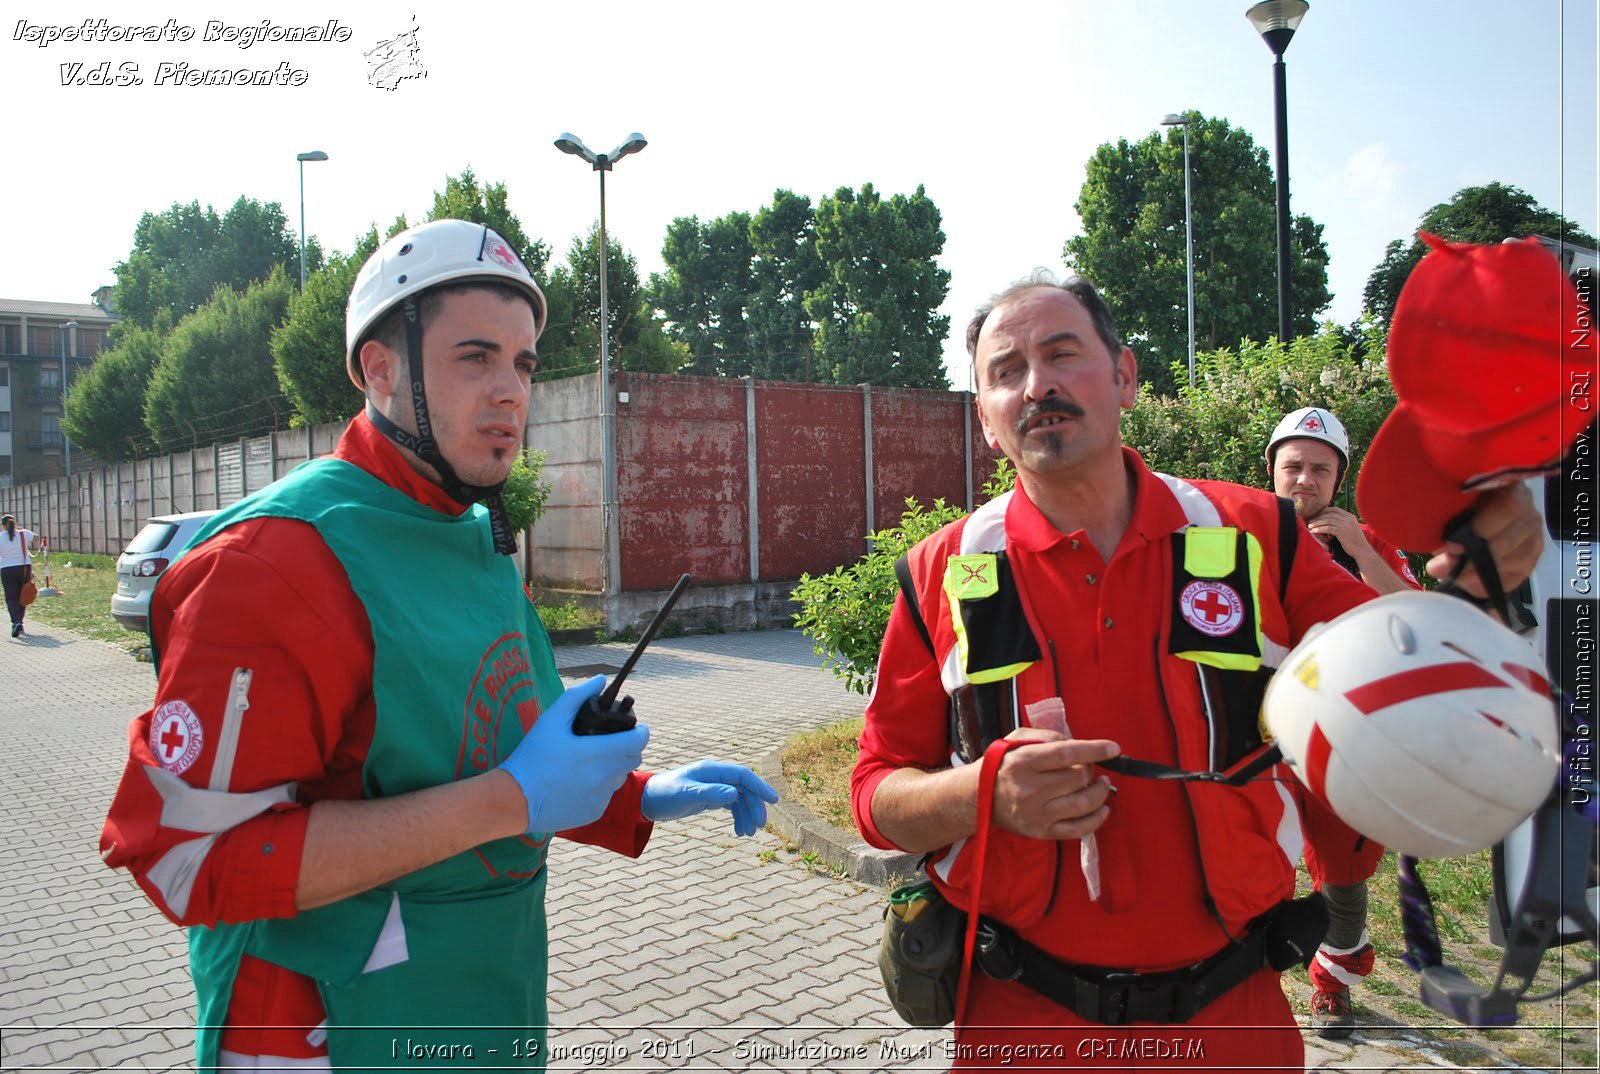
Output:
x,y
1276,22
1174,120
66,445
602,163
315,154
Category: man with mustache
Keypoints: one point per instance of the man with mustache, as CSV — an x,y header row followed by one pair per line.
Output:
x,y
360,747
1102,615
1308,457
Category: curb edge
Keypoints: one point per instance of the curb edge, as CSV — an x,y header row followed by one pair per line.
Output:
x,y
838,848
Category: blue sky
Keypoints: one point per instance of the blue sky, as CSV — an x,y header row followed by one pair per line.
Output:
x,y
994,108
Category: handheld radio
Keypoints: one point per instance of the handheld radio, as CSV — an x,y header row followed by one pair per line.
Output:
x,y
605,714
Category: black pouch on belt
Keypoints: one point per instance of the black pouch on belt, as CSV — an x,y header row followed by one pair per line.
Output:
x,y
920,954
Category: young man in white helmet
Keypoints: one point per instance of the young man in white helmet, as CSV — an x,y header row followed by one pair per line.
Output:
x,y
1308,457
349,779
1110,599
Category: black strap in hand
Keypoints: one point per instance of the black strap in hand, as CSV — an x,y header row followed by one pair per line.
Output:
x,y
1477,554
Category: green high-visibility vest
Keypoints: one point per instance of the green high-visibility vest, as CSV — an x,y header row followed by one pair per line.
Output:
x,y
462,667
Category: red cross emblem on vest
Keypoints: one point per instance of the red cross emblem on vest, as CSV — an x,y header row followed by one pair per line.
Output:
x,y
1213,608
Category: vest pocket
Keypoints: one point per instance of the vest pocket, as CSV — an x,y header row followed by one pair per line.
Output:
x,y
1020,878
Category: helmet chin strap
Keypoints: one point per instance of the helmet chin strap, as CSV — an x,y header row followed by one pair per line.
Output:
x,y
426,448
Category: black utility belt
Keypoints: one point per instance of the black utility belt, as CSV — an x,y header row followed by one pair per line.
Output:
x,y
1285,936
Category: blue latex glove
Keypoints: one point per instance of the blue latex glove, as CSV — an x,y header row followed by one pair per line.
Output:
x,y
569,779
709,784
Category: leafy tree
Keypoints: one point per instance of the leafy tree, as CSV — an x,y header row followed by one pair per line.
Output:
x,y
570,345
877,305
308,348
1480,214
786,269
1133,245
105,408
181,256
215,380
705,291
464,199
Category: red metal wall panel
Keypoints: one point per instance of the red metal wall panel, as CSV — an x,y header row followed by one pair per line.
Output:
x,y
983,457
917,450
811,467
681,463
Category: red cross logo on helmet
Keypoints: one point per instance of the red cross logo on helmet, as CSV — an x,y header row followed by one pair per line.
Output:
x,y
1311,424
500,252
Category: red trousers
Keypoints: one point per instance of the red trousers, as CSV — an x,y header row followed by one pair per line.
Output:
x,y
1009,1027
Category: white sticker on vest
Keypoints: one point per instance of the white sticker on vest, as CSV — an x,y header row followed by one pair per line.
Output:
x,y
1212,608
176,736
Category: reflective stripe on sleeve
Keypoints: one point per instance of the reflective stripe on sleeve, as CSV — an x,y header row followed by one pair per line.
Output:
x,y
174,875
195,809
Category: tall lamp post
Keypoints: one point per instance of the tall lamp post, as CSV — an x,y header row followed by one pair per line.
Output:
x,y
602,163
315,154
1174,120
1276,22
66,445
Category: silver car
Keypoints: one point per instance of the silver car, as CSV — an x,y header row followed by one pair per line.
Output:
x,y
153,549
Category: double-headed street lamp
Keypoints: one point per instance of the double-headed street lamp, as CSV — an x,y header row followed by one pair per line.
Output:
x,y
315,154
1174,120
602,163
1276,22
66,445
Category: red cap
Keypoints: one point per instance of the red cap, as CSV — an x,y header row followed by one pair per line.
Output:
x,y
1480,358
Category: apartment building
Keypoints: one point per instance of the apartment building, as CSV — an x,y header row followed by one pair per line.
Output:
x,y
43,346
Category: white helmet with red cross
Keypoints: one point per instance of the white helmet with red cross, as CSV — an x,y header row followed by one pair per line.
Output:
x,y
1312,423
1420,721
438,252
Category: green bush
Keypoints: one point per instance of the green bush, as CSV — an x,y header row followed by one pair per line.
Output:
x,y
846,611
1219,428
525,494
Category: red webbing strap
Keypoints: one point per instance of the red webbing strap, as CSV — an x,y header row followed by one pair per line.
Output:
x,y
990,768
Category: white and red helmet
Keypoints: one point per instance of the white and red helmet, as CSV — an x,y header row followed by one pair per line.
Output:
x,y
1312,423
1420,721
438,252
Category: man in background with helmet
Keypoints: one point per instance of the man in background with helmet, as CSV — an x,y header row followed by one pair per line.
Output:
x,y
1308,457
1104,591
360,747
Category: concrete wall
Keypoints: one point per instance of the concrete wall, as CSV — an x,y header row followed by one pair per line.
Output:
x,y
100,510
566,550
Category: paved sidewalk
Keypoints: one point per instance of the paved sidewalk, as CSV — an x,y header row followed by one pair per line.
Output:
x,y
708,953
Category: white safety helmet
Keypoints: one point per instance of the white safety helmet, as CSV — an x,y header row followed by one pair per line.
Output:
x,y
1312,423
440,251
1420,721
